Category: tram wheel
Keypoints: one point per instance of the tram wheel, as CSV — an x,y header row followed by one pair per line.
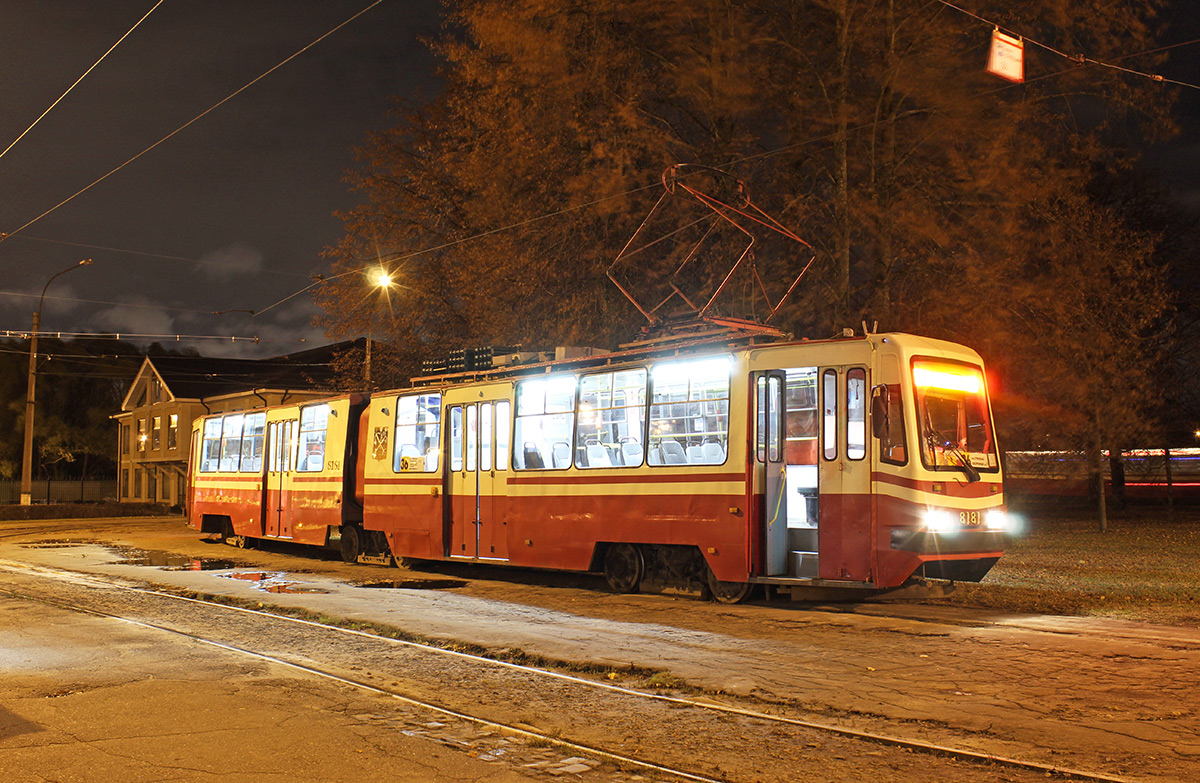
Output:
x,y
728,592
351,543
624,567
231,538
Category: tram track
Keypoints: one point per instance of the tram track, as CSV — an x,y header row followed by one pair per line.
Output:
x,y
299,660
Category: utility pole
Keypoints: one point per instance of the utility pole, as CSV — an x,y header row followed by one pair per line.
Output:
x,y
27,454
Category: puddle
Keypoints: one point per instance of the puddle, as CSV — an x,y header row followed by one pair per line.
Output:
x,y
271,582
417,584
169,561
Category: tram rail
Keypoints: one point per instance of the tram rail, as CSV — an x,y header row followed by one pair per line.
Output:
x,y
87,602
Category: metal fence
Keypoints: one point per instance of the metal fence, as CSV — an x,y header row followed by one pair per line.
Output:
x,y
61,491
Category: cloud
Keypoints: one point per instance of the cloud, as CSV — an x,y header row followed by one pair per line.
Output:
x,y
232,260
132,320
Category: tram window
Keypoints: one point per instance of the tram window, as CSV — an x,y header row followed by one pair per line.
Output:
x,y
802,419
856,413
503,431
612,417
952,416
231,441
689,413
314,421
418,433
774,413
829,405
893,445
472,435
545,422
456,438
210,448
761,413
252,442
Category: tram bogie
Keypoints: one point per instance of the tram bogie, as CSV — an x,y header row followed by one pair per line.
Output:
x,y
714,464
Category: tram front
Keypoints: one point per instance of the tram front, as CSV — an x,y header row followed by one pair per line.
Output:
x,y
938,481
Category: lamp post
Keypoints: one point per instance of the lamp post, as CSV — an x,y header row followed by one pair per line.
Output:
x,y
381,280
27,455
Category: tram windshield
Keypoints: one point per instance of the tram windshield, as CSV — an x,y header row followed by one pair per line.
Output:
x,y
953,420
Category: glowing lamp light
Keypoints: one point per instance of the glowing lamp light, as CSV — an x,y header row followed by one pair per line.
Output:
x,y
382,279
967,382
939,520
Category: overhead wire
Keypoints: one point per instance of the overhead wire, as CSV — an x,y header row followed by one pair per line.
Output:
x,y
13,143
144,254
1078,59
189,123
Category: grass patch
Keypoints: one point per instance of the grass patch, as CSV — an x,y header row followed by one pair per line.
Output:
x,y
1146,566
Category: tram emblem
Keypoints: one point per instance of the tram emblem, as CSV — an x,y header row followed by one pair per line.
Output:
x,y
379,443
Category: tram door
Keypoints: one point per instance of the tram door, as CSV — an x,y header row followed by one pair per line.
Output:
x,y
769,461
844,476
479,458
281,438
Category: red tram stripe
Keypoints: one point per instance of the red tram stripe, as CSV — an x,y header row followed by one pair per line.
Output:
x,y
642,478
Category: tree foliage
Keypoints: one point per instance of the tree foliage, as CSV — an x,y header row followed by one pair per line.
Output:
x,y
937,198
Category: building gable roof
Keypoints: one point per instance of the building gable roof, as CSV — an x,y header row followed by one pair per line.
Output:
x,y
202,377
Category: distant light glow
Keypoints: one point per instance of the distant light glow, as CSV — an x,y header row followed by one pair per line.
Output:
x,y
382,279
966,381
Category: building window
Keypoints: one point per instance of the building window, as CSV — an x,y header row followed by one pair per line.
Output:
x,y
156,434
155,390
152,485
141,439
173,431
124,438
137,483
124,482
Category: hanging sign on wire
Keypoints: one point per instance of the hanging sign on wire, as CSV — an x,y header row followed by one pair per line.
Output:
x,y
1007,57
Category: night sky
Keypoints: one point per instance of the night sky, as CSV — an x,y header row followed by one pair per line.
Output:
x,y
241,203
243,200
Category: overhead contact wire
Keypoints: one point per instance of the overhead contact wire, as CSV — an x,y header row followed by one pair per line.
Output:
x,y
13,143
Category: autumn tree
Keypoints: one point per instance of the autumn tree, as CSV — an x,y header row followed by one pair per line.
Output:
x,y
924,185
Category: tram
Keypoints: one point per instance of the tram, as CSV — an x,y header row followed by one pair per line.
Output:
x,y
720,458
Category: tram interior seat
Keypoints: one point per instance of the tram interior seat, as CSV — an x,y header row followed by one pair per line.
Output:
x,y
533,457
560,454
597,456
695,454
631,453
714,453
673,453
409,450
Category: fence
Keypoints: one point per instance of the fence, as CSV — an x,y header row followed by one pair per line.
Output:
x,y
61,491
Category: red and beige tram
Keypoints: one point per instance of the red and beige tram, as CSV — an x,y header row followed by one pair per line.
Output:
x,y
715,461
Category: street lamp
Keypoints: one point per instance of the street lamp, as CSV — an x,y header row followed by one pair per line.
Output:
x,y
27,456
382,280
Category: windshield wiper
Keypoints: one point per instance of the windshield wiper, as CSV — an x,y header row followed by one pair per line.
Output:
x,y
936,438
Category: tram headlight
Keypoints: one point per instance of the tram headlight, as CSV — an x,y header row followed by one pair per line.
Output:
x,y
996,519
939,520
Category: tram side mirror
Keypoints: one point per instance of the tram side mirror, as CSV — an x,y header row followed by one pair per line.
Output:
x,y
879,411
